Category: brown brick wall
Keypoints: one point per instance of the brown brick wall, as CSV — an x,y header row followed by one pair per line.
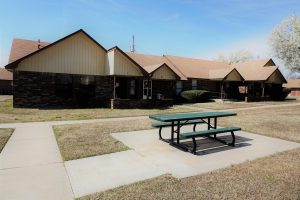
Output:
x,y
202,85
212,86
166,88
34,89
6,87
140,103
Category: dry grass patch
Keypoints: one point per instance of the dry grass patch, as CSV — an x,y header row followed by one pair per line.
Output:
x,y
8,114
5,134
240,104
273,177
224,105
84,140
280,122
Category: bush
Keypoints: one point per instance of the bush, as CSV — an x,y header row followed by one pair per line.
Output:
x,y
285,92
195,96
280,94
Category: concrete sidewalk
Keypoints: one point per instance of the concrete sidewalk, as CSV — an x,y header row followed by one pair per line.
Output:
x,y
31,166
151,157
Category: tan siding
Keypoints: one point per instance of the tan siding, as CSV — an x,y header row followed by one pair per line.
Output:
x,y
233,76
164,73
123,66
275,78
74,55
270,63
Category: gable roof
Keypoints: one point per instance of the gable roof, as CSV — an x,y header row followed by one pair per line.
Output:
x,y
150,62
223,74
195,68
14,64
292,83
21,48
255,70
151,69
5,75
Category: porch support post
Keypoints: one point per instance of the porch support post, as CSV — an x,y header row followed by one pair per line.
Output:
x,y
114,95
263,89
246,91
222,90
148,83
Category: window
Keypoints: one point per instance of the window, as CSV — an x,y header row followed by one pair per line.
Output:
x,y
87,80
63,86
132,87
178,87
194,85
147,89
87,86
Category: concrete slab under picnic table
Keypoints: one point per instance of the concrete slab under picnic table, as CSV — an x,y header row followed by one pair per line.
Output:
x,y
152,157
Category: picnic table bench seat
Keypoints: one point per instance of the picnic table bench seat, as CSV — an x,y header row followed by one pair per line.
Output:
x,y
208,133
161,125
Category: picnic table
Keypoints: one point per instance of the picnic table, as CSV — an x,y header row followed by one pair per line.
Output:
x,y
176,121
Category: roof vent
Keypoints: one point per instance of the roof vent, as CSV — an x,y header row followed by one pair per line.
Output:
x,y
39,44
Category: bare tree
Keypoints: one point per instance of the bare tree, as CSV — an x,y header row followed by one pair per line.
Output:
x,y
242,55
285,42
293,75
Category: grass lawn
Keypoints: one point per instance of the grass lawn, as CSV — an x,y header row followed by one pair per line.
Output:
x,y
5,134
222,106
84,140
240,104
273,177
277,122
8,114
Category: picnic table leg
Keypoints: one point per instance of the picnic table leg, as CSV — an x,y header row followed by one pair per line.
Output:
x,y
178,131
233,139
195,145
215,126
172,132
160,137
208,123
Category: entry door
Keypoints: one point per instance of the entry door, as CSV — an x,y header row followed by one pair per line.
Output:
x,y
147,89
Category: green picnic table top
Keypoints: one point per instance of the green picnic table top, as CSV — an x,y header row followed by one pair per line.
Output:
x,y
190,116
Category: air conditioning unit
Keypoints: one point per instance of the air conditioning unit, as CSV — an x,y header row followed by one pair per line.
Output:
x,y
160,96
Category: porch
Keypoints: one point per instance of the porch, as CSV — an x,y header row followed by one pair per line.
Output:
x,y
141,92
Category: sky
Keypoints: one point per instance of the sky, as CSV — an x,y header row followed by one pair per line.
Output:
x,y
192,28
